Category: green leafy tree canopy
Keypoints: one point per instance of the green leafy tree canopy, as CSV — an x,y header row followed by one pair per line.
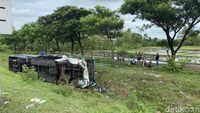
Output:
x,y
172,16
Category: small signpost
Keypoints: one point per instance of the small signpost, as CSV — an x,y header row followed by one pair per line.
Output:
x,y
5,17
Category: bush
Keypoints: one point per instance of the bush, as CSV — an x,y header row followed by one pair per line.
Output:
x,y
176,66
172,66
3,48
29,74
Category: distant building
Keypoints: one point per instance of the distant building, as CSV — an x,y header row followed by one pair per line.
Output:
x,y
5,17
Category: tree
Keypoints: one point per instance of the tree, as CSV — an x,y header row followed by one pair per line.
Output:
x,y
30,38
64,25
66,21
172,16
106,23
51,28
194,38
28,35
12,41
162,43
110,28
129,40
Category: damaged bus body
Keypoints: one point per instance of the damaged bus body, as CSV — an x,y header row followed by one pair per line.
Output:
x,y
57,69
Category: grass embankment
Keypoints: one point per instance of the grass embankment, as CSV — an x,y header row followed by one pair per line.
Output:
x,y
59,99
129,89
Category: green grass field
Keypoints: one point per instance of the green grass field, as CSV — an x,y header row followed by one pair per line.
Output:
x,y
130,89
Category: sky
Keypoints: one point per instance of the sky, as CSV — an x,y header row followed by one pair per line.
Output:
x,y
24,11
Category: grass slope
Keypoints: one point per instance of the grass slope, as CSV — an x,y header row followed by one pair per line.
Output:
x,y
155,89
130,89
60,99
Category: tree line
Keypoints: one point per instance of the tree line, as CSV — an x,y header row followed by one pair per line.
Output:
x,y
70,28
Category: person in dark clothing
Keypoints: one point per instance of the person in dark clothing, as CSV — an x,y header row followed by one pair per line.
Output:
x,y
133,61
139,57
149,64
157,59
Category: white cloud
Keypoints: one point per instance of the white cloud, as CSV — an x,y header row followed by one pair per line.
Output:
x,y
23,12
29,10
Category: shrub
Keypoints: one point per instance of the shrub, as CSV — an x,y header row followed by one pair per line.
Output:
x,y
29,74
176,66
172,66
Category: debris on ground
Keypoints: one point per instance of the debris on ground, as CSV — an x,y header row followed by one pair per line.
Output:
x,y
35,101
151,74
157,76
38,101
144,81
29,106
161,81
100,89
6,102
4,93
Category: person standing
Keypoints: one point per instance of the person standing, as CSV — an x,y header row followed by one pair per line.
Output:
x,y
139,57
157,59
